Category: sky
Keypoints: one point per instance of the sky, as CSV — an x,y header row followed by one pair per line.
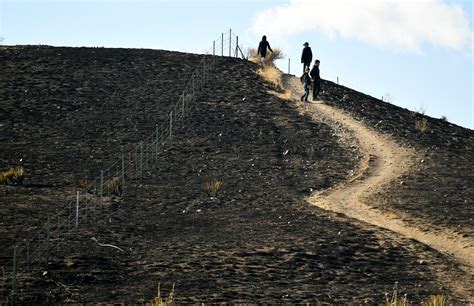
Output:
x,y
419,53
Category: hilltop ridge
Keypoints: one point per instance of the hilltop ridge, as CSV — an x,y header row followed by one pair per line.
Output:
x,y
69,111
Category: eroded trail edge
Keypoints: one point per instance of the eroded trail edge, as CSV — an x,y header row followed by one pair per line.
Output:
x,y
383,162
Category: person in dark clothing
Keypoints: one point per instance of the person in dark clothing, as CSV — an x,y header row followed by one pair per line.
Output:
x,y
316,79
306,80
262,48
306,56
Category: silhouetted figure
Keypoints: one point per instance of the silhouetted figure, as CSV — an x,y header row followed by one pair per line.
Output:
x,y
306,56
306,80
262,48
316,79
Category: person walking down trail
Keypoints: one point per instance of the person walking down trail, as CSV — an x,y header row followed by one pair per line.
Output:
x,y
306,80
262,49
316,79
306,56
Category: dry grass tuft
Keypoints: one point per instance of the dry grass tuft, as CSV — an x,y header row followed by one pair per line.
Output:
x,y
437,300
159,301
421,124
272,75
213,187
114,186
13,176
269,60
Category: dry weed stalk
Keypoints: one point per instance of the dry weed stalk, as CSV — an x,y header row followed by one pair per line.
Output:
x,y
158,301
437,300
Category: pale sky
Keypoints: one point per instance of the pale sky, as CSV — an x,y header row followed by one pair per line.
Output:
x,y
418,51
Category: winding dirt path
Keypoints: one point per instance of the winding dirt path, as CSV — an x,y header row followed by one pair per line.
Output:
x,y
383,162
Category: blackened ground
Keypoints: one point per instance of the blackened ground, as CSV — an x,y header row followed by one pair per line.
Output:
x,y
439,191
257,241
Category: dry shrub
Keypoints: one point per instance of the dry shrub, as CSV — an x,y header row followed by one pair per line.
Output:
x,y
159,301
421,124
114,186
13,176
437,300
269,59
213,187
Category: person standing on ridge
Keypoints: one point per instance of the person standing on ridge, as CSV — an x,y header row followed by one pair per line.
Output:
x,y
262,49
306,80
306,56
316,79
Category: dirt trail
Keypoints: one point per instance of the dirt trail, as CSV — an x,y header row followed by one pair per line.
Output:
x,y
383,162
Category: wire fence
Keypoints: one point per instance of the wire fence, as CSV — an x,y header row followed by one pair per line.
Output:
x,y
89,206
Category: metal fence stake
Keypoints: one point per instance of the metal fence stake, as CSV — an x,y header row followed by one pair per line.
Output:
x,y
171,125
48,238
214,47
230,42
58,233
28,256
123,174
14,276
101,190
182,110
222,44
77,206
141,158
157,141
237,46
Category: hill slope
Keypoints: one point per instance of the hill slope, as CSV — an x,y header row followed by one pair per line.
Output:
x,y
257,241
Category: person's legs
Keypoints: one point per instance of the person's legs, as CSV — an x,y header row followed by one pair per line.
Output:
x,y
316,89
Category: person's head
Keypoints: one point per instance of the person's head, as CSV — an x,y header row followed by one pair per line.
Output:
x,y
306,44
316,63
264,37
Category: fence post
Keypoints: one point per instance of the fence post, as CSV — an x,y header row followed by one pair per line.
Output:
x,y
48,238
157,141
193,86
230,42
101,190
57,235
171,124
237,46
337,80
214,47
288,65
27,256
14,276
123,174
222,44
141,158
77,205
